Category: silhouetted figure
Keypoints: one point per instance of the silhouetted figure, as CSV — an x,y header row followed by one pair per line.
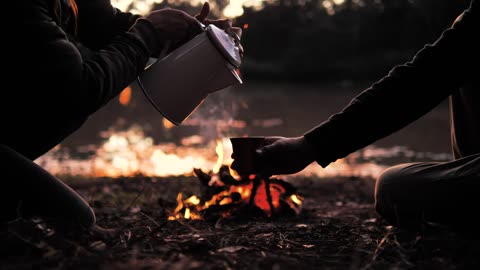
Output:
x,y
407,195
68,58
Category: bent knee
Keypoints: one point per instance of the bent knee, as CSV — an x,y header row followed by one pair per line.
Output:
x,y
399,193
88,218
392,183
387,181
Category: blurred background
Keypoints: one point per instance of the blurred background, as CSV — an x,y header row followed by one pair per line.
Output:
x,y
304,60
324,40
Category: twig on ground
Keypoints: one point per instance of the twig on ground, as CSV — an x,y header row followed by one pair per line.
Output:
x,y
149,218
131,204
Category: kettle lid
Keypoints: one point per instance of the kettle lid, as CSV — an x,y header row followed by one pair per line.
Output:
x,y
226,43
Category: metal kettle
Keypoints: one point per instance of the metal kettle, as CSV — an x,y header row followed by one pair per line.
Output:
x,y
178,83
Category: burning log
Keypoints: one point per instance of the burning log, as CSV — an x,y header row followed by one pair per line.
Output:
x,y
225,195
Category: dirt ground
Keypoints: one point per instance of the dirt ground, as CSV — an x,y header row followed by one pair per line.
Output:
x,y
337,229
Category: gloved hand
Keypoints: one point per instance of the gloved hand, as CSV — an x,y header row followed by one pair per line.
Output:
x,y
174,27
281,155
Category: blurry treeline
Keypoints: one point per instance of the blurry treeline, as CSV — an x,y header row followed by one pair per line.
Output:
x,y
318,40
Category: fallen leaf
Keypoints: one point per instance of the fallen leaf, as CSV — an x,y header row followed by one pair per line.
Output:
x,y
98,246
232,249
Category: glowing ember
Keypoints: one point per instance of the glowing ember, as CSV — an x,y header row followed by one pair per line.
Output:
x,y
227,196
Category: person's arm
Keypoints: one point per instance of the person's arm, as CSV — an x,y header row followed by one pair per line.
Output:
x,y
61,75
98,22
408,92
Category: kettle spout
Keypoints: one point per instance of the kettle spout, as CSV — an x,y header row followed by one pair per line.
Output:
x,y
223,79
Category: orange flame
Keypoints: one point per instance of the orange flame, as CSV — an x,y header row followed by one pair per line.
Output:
x,y
243,193
219,151
193,200
267,196
240,194
125,96
179,203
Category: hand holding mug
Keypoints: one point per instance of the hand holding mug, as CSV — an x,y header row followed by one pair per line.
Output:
x,y
278,155
244,153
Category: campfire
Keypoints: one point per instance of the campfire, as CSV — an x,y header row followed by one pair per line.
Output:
x,y
226,194
223,195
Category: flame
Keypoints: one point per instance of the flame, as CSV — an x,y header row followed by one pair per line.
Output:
x,y
193,200
219,151
267,201
179,203
267,195
244,192
222,152
125,96
132,153
245,26
296,199
187,213
233,173
186,205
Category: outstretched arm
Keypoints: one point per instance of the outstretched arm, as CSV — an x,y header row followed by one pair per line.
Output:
x,y
408,92
405,94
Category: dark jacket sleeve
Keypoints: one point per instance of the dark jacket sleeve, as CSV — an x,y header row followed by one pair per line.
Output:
x,y
98,22
59,76
408,92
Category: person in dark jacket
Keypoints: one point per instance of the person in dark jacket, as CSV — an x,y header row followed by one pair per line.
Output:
x,y
68,58
408,195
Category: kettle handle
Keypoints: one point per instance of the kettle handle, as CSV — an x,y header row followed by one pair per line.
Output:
x,y
234,35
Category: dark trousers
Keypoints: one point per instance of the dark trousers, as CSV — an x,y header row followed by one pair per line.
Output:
x,y
29,190
415,194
